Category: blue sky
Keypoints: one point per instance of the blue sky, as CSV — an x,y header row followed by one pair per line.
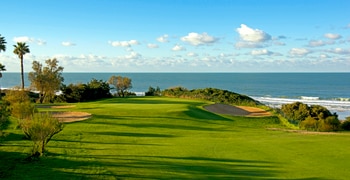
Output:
x,y
180,35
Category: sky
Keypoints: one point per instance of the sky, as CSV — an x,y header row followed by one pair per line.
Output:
x,y
179,35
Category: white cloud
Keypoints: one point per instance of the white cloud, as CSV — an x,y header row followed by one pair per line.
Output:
x,y
192,54
152,46
41,42
261,52
316,43
332,36
299,51
244,44
124,43
163,38
67,43
133,55
324,56
23,39
339,51
252,35
27,39
198,39
178,48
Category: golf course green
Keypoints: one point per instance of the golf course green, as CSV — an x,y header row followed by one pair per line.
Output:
x,y
172,138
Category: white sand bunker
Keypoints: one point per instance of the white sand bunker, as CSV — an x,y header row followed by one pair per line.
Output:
x,y
71,116
237,110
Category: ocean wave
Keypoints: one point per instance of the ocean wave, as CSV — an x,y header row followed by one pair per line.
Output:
x,y
341,107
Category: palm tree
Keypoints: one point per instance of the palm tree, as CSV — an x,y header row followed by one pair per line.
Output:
x,y
2,44
2,48
21,49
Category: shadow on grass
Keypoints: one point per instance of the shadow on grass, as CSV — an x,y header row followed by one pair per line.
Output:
x,y
149,100
13,137
172,127
58,166
131,134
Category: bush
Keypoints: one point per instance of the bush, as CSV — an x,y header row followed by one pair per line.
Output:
x,y
40,129
346,124
4,117
309,123
296,111
315,117
95,89
153,92
19,104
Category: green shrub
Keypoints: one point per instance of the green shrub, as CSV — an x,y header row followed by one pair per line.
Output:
x,y
345,125
4,117
309,123
19,104
40,129
315,117
95,89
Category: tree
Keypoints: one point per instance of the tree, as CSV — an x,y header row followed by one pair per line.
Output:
x,y
40,129
21,49
153,92
2,48
47,80
2,43
121,84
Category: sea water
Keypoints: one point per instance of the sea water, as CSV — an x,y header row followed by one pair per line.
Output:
x,y
331,90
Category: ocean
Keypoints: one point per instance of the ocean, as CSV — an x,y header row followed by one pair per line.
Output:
x,y
331,90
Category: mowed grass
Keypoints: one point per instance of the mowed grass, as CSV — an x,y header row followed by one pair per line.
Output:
x,y
168,138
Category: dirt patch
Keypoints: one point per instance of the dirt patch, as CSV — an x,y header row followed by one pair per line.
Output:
x,y
71,116
237,110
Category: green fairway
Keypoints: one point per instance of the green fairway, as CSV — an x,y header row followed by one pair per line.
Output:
x,y
169,138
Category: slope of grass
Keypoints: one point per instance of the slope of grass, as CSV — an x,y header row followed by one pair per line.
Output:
x,y
169,138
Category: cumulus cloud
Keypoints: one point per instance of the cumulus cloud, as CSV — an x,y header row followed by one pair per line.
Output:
x,y
316,43
124,43
67,43
332,36
252,35
324,56
299,51
27,39
340,51
152,46
178,48
261,52
132,55
198,39
23,39
163,38
244,44
192,54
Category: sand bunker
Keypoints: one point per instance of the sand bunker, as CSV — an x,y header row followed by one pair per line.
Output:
x,y
71,116
237,110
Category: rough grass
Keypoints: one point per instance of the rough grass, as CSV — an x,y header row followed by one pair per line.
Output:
x,y
168,138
